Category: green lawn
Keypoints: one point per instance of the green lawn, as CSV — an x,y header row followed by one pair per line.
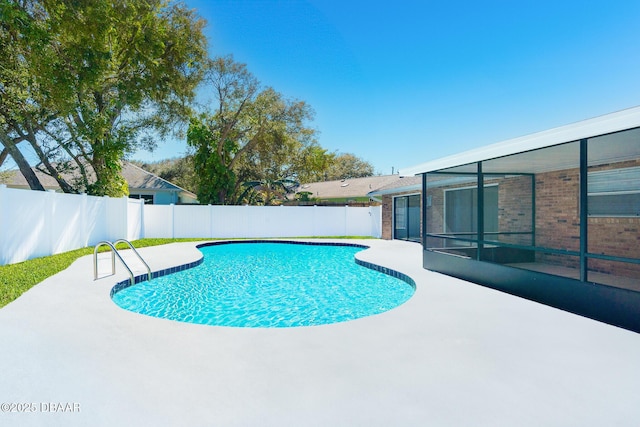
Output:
x,y
15,279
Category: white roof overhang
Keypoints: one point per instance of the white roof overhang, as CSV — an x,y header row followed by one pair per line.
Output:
x,y
396,190
602,125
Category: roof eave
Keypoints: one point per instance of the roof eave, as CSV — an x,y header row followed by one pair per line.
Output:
x,y
395,190
602,125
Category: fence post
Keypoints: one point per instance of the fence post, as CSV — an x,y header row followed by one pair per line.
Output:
x,y
372,219
3,223
173,221
210,209
142,231
346,220
315,221
83,221
106,208
376,227
49,221
124,218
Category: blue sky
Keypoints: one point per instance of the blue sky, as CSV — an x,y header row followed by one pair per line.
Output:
x,y
404,82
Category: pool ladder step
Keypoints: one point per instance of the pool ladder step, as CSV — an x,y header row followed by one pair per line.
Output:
x,y
114,253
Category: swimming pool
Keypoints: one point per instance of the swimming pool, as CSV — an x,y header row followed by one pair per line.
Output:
x,y
270,284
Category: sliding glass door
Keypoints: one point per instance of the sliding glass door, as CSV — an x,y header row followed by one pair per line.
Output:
x,y
406,218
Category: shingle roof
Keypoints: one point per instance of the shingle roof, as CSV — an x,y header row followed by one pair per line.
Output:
x,y
354,187
140,179
137,178
16,179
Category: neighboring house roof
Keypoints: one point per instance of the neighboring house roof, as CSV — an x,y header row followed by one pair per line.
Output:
x,y
137,178
347,188
140,179
402,185
15,179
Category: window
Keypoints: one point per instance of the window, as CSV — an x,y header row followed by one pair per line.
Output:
x,y
148,198
614,192
461,211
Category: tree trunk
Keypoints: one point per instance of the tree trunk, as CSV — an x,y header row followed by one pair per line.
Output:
x,y
25,169
3,155
64,185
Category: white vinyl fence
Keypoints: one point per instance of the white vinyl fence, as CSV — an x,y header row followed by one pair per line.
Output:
x,y
260,221
35,223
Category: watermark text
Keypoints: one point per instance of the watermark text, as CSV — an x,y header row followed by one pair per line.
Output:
x,y
40,407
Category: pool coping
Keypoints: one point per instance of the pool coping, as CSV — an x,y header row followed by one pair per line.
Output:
x,y
171,270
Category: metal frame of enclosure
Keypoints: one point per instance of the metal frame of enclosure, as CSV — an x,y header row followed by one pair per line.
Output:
x,y
553,217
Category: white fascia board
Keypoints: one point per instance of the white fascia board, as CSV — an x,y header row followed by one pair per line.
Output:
x,y
602,125
395,190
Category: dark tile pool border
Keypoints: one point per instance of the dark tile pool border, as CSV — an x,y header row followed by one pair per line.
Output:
x,y
154,275
143,277
387,271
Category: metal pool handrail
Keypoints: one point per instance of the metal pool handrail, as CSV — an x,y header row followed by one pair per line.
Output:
x,y
137,254
114,253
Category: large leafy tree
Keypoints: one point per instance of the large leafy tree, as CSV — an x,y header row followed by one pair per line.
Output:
x,y
347,165
22,36
109,77
313,163
267,192
272,170
248,129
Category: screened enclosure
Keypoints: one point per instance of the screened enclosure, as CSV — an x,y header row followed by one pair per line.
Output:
x,y
540,222
529,212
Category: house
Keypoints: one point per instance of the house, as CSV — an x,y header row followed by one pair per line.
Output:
x,y
345,191
401,208
153,189
553,217
142,185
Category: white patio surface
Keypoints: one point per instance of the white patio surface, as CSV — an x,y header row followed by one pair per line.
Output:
x,y
455,354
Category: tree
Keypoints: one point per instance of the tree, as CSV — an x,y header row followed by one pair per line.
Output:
x,y
3,174
275,168
111,76
312,163
247,123
345,166
21,37
267,192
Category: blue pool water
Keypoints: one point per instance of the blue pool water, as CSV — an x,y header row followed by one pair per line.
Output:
x,y
268,285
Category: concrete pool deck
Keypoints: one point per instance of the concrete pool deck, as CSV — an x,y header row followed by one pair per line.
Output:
x,y
455,354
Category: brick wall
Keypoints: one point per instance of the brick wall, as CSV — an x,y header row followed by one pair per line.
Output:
x,y
387,217
435,212
558,216
558,225
616,236
387,214
515,210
